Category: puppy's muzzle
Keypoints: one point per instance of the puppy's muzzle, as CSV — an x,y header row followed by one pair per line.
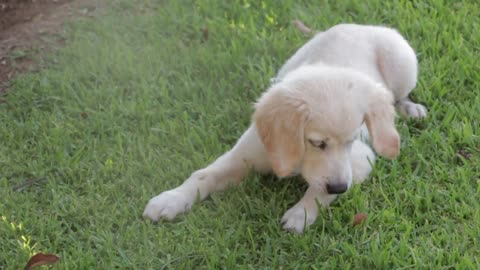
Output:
x,y
337,188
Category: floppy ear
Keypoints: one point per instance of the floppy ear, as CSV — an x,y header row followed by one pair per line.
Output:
x,y
280,119
380,120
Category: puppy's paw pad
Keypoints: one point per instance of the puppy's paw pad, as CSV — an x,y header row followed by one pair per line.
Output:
x,y
297,219
410,109
167,205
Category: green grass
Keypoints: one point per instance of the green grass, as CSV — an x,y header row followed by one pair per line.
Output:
x,y
138,99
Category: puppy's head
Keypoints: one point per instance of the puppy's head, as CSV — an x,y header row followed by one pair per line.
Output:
x,y
309,126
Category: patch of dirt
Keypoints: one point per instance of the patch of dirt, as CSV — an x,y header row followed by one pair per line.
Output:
x,y
29,27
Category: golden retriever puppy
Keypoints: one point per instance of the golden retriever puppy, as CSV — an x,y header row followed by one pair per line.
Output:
x,y
336,92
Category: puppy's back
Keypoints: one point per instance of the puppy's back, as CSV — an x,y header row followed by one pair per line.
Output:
x,y
352,46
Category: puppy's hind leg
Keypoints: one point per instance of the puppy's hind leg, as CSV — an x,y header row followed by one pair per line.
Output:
x,y
410,108
228,169
398,65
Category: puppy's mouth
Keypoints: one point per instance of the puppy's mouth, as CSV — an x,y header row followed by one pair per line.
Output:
x,y
320,186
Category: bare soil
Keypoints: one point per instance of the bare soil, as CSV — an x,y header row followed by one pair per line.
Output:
x,y
29,28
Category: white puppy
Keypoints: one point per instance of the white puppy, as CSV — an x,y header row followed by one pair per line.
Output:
x,y
311,122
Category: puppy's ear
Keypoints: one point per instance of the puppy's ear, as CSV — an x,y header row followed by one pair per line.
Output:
x,y
280,117
380,120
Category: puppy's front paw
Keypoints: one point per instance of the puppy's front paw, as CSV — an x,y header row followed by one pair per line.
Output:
x,y
298,218
411,109
168,205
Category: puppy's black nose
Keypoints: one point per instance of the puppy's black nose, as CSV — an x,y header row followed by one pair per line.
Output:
x,y
336,188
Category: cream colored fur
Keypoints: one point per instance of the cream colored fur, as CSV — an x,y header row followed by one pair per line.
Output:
x,y
311,120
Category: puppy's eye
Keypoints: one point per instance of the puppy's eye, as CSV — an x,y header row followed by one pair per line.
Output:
x,y
319,144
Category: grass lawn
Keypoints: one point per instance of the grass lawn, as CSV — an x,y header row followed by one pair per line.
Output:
x,y
139,98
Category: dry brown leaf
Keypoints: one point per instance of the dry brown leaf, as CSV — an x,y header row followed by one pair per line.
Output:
x,y
205,34
302,27
29,182
359,218
41,259
464,154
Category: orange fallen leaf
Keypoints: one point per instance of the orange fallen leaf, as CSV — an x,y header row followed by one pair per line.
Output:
x,y
41,259
359,218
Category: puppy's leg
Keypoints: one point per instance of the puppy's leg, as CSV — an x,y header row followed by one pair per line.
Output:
x,y
305,212
226,170
362,158
398,65
410,108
